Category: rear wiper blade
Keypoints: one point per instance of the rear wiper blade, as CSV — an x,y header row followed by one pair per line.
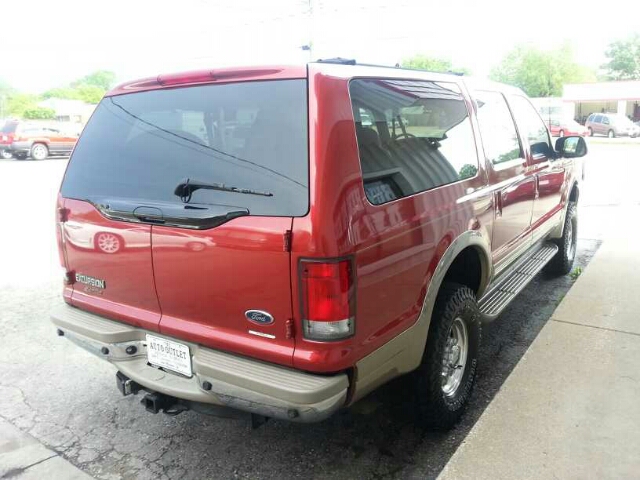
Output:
x,y
186,187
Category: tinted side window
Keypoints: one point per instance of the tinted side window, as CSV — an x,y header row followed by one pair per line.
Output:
x,y
425,142
499,134
605,120
598,119
531,125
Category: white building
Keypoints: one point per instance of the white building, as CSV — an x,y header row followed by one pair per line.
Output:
x,y
74,111
604,97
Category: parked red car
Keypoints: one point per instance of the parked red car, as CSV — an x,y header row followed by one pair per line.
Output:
x,y
22,139
354,224
566,127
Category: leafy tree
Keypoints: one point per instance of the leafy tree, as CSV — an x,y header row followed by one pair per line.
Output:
x,y
541,73
62,92
90,88
18,103
624,59
39,113
103,79
432,64
90,93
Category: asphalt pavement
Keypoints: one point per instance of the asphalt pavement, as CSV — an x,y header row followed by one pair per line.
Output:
x,y
66,399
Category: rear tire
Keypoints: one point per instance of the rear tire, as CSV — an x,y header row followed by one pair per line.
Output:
x,y
39,151
611,134
6,154
590,131
444,381
562,262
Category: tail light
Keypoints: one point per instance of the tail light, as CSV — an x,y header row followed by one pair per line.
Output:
x,y
328,299
61,217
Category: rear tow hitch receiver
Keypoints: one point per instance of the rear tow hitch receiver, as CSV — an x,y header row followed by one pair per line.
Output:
x,y
155,402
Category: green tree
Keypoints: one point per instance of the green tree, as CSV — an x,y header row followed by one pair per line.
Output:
x,y
103,79
5,92
62,92
18,103
431,64
541,73
624,59
39,113
90,93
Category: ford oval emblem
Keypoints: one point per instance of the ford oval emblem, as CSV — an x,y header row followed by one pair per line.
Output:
x,y
259,316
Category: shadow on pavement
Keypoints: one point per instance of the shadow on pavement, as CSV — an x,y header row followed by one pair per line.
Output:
x,y
377,437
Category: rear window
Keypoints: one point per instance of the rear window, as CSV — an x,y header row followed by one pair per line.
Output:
x,y
249,137
412,136
9,127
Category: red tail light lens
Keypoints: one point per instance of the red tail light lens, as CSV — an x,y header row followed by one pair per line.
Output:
x,y
328,299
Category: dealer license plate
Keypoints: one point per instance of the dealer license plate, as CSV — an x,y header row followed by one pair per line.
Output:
x,y
169,354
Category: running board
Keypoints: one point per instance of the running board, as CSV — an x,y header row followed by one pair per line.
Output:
x,y
500,295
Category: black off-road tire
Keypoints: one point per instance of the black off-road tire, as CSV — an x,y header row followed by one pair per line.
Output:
x,y
437,410
562,262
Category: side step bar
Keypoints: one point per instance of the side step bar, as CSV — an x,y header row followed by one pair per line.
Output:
x,y
496,299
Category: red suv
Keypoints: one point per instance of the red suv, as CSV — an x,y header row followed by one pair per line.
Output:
x,y
291,238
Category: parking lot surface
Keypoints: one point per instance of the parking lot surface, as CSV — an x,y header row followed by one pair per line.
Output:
x,y
67,399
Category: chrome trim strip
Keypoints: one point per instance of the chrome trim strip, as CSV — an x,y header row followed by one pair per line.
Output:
x,y
260,334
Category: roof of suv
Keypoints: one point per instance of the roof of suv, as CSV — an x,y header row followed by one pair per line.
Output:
x,y
219,75
341,69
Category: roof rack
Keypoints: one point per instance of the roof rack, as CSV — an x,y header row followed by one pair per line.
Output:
x,y
352,61
338,60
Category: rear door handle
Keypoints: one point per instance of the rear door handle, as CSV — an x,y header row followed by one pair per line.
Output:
x,y
149,215
498,195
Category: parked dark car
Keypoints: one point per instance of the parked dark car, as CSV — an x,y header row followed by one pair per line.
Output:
x,y
22,139
330,251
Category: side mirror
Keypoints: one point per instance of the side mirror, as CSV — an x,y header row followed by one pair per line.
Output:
x,y
571,147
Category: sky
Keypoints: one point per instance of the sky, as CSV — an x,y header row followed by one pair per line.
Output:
x,y
66,39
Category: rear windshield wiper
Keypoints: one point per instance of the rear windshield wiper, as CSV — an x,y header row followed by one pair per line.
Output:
x,y
186,187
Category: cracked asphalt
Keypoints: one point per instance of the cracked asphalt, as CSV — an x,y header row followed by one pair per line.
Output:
x,y
67,399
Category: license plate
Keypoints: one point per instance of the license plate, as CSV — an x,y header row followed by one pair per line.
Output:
x,y
169,354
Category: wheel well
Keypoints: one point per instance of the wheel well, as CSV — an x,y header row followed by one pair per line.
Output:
x,y
575,193
466,269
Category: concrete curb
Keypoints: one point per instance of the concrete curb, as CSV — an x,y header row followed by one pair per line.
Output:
x,y
613,141
23,457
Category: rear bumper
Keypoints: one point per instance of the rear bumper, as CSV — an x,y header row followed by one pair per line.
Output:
x,y
237,382
21,147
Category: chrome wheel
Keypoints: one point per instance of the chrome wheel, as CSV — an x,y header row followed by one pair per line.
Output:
x,y
6,154
454,359
108,243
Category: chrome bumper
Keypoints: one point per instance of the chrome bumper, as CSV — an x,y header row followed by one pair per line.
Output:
x,y
236,382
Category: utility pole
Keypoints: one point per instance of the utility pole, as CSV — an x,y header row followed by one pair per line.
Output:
x,y
309,46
